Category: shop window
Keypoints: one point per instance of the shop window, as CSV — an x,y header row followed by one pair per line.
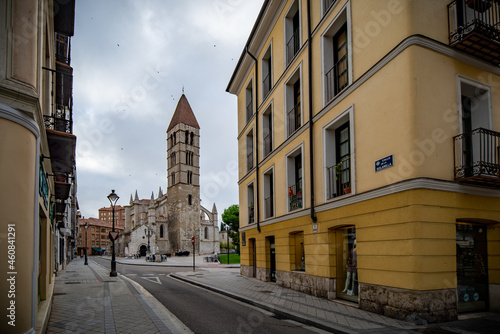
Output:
x,y
347,264
298,251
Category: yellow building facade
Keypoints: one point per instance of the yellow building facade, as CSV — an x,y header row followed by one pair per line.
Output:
x,y
37,158
369,152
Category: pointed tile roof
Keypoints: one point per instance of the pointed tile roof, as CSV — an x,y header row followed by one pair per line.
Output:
x,y
183,114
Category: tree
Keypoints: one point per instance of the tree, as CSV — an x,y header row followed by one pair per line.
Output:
x,y
231,217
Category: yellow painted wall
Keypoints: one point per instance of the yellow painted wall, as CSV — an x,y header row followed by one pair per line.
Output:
x,y
405,240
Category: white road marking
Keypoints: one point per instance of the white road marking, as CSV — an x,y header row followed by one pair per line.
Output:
x,y
152,279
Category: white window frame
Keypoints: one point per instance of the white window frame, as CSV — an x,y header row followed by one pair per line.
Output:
x,y
269,114
291,155
250,133
346,115
252,185
288,91
479,85
342,17
251,86
269,50
267,172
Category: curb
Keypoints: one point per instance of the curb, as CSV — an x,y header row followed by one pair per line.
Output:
x,y
270,308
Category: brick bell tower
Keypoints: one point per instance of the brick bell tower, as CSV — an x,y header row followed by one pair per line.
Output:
x,y
183,173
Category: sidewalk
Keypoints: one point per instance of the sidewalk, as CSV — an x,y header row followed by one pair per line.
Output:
x,y
87,300
336,317
174,261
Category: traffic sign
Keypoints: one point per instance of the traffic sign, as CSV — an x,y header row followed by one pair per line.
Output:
x,y
192,241
113,235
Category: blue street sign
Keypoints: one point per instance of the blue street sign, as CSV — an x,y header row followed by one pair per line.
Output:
x,y
384,163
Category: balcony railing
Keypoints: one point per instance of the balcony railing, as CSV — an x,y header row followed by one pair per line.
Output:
x,y
266,82
295,196
250,161
339,179
336,78
60,121
474,28
292,46
268,144
477,157
268,207
63,49
251,215
249,110
293,118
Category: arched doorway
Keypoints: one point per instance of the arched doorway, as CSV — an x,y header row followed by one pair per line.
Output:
x,y
143,250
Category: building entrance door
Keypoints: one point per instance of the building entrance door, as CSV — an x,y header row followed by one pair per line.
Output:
x,y
254,258
472,267
143,250
272,259
347,264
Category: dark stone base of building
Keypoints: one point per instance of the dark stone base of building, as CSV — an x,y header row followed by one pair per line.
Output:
x,y
415,306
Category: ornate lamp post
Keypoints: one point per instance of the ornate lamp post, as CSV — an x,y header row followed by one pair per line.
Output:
x,y
86,245
148,231
113,198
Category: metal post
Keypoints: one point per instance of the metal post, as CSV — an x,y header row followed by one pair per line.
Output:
x,y
194,248
113,198
227,232
86,243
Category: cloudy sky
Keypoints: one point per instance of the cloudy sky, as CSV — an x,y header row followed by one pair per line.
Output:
x,y
132,59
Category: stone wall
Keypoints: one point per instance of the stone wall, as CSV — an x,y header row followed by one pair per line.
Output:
x,y
415,306
313,285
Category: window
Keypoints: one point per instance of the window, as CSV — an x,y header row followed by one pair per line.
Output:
x,y
174,136
187,137
338,163
161,231
249,101
292,32
267,131
297,251
206,233
326,5
189,158
294,180
189,177
269,193
250,202
173,178
192,139
336,57
190,199
267,72
250,151
293,103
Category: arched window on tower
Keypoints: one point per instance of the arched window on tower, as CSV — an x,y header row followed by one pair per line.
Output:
x,y
192,138
206,232
190,199
187,137
175,137
161,231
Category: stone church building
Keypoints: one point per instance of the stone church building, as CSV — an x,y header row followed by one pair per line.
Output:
x,y
177,216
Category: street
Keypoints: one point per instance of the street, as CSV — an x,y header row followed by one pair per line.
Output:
x,y
204,311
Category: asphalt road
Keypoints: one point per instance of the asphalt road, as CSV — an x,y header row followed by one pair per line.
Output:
x,y
204,311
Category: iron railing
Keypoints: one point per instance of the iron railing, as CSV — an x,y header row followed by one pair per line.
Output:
x,y
63,48
336,78
249,160
266,82
293,118
60,121
477,156
295,196
268,207
251,215
249,110
327,4
268,144
292,46
339,179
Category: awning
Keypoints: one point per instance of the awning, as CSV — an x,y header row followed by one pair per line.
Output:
x,y
62,151
64,16
97,249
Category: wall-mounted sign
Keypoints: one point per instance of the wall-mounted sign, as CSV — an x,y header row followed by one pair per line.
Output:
x,y
384,163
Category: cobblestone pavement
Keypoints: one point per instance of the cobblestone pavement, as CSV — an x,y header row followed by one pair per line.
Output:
x,y
87,300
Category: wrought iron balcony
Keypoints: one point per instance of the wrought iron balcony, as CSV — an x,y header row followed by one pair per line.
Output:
x,y
336,78
266,82
249,110
268,144
339,179
249,161
293,117
268,207
60,121
251,215
477,157
474,28
327,4
295,196
292,46
63,49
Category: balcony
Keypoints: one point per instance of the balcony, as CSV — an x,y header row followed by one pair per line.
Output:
x,y
339,179
249,161
293,118
474,28
295,196
249,110
268,207
60,121
268,144
292,46
266,83
251,215
477,157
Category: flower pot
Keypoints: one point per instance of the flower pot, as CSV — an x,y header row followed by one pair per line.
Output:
x,y
347,190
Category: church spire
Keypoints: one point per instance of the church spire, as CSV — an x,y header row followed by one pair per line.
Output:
x,y
183,114
130,199
160,193
136,196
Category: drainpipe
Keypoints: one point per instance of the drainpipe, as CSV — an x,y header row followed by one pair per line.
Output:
x,y
256,204
310,105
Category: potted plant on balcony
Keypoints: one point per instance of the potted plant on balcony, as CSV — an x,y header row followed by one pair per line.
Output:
x,y
479,5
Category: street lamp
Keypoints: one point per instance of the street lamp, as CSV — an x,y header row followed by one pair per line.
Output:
x,y
86,245
227,233
148,231
113,198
